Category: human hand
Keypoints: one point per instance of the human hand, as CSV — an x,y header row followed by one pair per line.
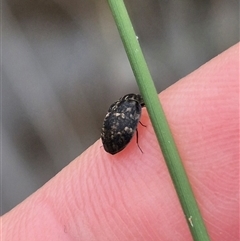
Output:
x,y
129,196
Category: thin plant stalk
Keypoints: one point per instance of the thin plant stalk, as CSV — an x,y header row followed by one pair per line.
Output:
x,y
148,91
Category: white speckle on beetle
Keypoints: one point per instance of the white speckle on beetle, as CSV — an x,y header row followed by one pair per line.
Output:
x,y
121,122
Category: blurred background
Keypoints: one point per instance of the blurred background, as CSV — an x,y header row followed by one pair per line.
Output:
x,y
63,64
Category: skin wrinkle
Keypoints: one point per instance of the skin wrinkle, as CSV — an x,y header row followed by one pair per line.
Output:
x,y
230,236
201,186
37,204
109,181
71,212
141,182
221,202
72,200
138,175
112,188
209,203
82,205
91,188
134,181
167,222
139,218
151,233
117,213
104,188
122,198
34,218
215,139
24,221
127,205
83,208
18,228
128,232
117,224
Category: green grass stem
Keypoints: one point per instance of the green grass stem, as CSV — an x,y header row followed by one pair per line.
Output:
x,y
159,121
